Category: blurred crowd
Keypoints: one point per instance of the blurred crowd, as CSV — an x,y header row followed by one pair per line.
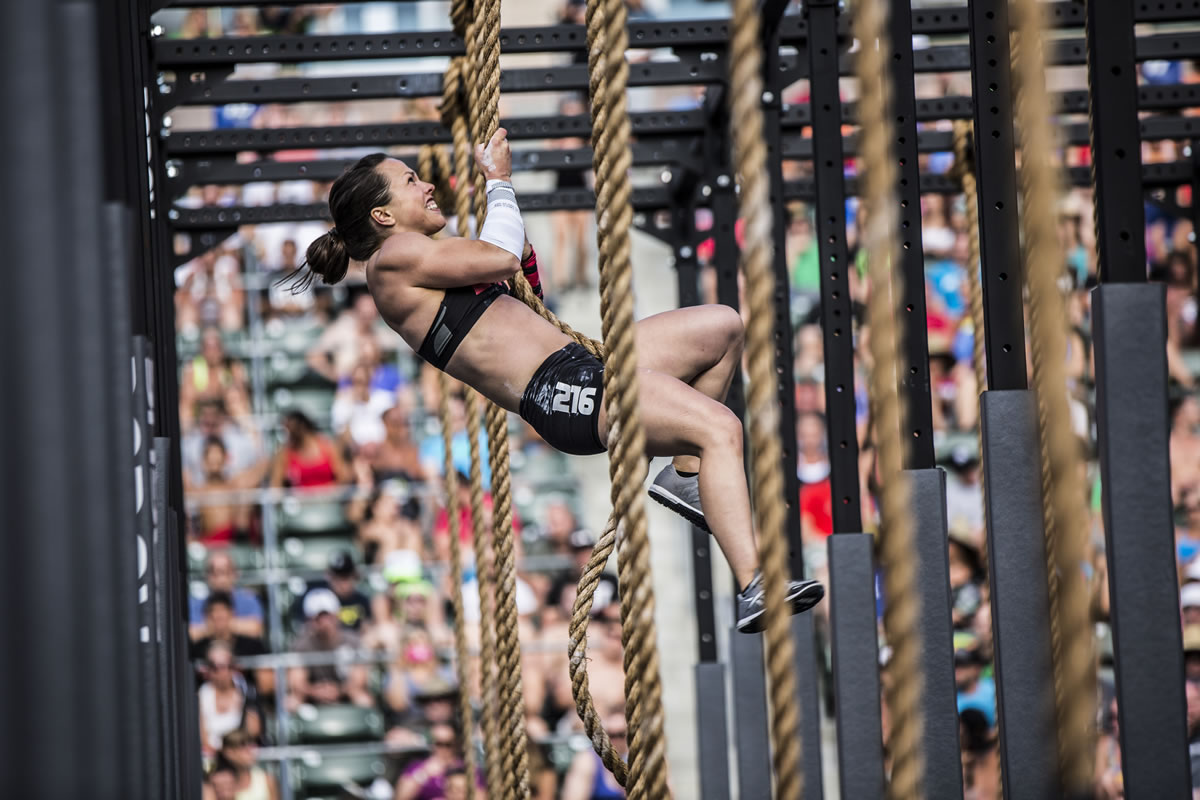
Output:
x,y
309,394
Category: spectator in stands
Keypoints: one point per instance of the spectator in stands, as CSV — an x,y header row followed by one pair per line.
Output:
x,y
1184,446
219,519
964,491
307,458
242,444
433,449
1189,604
1110,779
415,672
282,300
357,412
587,778
558,523
397,456
427,779
388,521
221,578
605,666
221,783
210,293
341,580
966,574
980,756
253,782
218,627
812,468
384,375
224,700
326,683
208,375
342,344
1191,652
975,690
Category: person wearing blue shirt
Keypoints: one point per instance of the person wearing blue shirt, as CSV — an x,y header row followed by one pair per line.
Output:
x,y
221,576
975,690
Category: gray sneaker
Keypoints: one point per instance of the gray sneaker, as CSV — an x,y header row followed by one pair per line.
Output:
x,y
680,494
752,607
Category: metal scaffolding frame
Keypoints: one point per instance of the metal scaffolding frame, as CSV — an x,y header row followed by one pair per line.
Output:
x,y
132,698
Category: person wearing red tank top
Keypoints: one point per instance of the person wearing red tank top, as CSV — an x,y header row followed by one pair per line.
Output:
x,y
307,458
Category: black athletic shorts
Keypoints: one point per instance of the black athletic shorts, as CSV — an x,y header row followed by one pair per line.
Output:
x,y
562,401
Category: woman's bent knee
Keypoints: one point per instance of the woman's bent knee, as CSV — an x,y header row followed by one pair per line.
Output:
x,y
723,431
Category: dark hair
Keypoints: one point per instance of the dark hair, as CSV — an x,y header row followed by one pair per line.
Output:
x,y
300,418
355,235
214,441
218,599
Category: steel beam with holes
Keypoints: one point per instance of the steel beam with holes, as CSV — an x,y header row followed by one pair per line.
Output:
x,y
1016,550
1129,330
939,733
851,566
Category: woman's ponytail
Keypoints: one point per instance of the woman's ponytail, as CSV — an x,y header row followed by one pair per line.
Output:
x,y
328,258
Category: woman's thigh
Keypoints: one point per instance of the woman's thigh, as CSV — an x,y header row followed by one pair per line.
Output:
x,y
685,342
676,419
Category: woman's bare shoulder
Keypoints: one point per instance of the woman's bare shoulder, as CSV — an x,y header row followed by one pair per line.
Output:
x,y
401,250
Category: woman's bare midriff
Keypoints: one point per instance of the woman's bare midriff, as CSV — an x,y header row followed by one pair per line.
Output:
x,y
497,357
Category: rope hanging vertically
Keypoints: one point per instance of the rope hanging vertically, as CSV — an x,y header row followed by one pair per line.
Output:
x,y
484,45
1064,512
877,165
462,655
454,116
762,402
627,444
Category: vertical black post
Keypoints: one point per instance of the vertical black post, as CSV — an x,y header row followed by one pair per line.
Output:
x,y
939,734
1129,330
807,689
711,720
61,696
851,566
1020,604
1016,549
996,181
914,377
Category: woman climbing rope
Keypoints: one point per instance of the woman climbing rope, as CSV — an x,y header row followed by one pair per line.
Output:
x,y
448,299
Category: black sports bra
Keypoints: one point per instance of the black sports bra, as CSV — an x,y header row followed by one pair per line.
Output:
x,y
461,308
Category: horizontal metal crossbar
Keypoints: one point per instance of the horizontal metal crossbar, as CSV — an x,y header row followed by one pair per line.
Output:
x,y
171,53
1154,176
203,88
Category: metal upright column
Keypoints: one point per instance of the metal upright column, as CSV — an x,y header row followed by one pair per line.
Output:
x,y
939,706
851,564
712,724
805,654
1129,329
1016,549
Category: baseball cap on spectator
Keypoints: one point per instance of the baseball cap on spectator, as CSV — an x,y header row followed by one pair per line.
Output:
x,y
581,539
321,601
341,563
1189,596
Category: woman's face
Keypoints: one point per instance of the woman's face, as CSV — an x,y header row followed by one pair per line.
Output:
x,y
412,207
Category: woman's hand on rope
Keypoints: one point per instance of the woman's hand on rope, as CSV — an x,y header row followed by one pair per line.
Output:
x,y
495,157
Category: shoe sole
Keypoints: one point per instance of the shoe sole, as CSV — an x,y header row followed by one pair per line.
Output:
x,y
681,507
802,601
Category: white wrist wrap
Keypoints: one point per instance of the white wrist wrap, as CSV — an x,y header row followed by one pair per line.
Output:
x,y
503,226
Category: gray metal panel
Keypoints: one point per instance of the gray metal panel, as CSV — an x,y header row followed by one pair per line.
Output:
x,y
809,698
711,725
1129,325
939,736
1020,604
856,665
750,715
165,607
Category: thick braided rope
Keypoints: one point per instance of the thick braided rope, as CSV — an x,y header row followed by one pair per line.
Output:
x,y
453,116
577,654
515,759
965,166
877,165
627,443
1062,492
750,159
462,656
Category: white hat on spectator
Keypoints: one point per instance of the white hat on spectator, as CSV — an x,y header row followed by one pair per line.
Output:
x,y
1189,597
321,601
1192,573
